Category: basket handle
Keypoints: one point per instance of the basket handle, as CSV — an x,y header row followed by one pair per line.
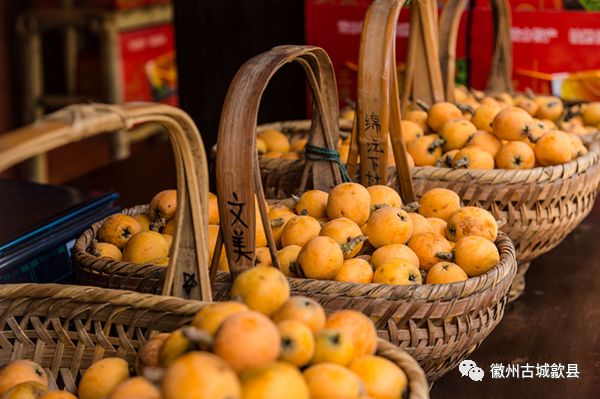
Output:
x,y
423,75
238,173
499,79
378,103
187,275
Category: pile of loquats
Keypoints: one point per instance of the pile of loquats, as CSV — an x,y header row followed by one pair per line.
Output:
x,y
502,132
267,345
364,235
478,132
353,234
146,238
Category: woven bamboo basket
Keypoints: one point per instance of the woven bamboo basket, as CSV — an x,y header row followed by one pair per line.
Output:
x,y
438,325
540,206
148,278
189,248
67,328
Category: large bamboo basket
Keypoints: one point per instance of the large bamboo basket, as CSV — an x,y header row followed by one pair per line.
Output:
x,y
540,206
438,325
67,328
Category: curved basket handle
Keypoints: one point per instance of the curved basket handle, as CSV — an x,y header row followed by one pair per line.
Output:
x,y
238,174
423,76
378,103
187,275
449,24
499,78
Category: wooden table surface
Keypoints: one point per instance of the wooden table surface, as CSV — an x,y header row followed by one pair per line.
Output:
x,y
557,321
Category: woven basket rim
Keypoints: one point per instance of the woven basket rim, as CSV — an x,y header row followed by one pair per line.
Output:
x,y
506,269
97,295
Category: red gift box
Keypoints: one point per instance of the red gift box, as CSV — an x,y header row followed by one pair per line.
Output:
x,y
547,46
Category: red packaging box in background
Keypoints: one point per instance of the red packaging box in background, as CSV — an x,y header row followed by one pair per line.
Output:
x,y
146,62
528,5
554,52
148,65
336,26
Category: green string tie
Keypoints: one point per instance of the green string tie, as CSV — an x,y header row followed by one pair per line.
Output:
x,y
315,153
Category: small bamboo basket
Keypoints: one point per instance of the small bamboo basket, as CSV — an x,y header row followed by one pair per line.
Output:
x,y
189,250
438,325
67,328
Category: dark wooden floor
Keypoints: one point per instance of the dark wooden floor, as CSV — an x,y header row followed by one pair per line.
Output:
x,y
556,321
